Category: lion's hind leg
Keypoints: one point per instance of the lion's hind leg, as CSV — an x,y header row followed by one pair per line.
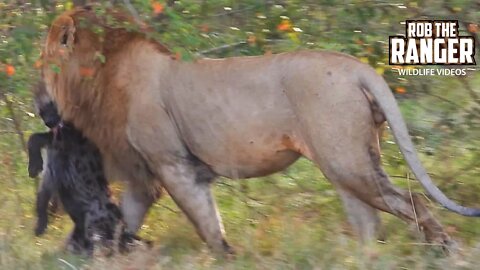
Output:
x,y
363,218
342,136
367,182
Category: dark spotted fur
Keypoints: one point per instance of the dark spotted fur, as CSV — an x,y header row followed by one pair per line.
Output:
x,y
74,171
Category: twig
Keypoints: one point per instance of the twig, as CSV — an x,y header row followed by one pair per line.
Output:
x,y
411,200
243,196
16,121
398,176
235,190
169,209
67,264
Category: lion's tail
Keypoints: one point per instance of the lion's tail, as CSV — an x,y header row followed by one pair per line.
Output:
x,y
377,86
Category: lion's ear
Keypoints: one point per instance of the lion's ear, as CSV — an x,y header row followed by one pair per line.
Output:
x,y
67,33
60,36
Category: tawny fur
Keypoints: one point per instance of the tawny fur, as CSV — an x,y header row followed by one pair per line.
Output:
x,y
158,120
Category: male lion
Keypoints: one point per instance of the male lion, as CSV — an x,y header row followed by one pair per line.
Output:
x,y
160,120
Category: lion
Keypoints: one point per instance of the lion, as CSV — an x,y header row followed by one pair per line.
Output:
x,y
162,121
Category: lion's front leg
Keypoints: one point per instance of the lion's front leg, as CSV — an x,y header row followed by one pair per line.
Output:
x,y
193,195
183,176
136,200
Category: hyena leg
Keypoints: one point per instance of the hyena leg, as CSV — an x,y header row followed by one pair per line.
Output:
x,y
44,195
79,242
35,144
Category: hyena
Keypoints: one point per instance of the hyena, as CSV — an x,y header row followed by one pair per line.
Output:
x,y
74,171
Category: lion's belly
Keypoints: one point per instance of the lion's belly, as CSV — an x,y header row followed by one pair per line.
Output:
x,y
240,143
234,118
250,161
248,147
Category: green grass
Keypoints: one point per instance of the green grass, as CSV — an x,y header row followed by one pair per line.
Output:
x,y
290,220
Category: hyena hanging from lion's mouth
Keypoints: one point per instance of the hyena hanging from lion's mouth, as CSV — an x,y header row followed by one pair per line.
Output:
x,y
74,172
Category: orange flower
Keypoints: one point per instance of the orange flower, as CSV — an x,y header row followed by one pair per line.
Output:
x,y
10,70
157,7
400,90
285,25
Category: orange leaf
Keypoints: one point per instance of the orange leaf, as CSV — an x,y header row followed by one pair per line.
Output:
x,y
38,64
285,25
359,42
400,90
157,7
87,71
178,56
251,39
472,28
204,28
10,70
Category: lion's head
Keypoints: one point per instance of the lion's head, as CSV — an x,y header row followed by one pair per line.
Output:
x,y
81,56
81,51
70,58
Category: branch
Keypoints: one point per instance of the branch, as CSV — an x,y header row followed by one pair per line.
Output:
x,y
221,48
233,45
473,94
464,23
79,3
231,12
133,12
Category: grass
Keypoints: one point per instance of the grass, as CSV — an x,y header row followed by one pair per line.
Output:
x,y
290,220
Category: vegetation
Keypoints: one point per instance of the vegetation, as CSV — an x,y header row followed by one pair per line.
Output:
x,y
290,220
